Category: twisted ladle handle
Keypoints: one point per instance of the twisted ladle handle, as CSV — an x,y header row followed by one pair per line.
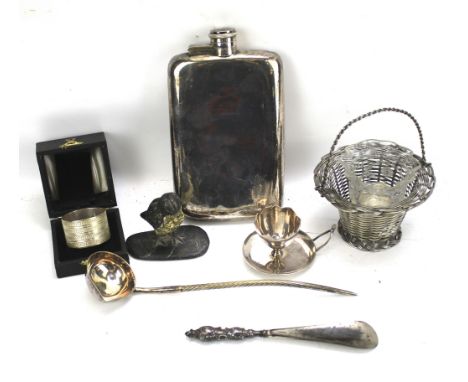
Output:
x,y
357,334
244,283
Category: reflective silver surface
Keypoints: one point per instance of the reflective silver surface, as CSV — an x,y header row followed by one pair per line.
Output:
x,y
109,276
276,225
357,334
278,246
112,278
374,184
86,227
98,171
296,255
226,108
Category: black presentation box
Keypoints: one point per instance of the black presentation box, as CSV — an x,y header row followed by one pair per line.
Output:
x,y
76,174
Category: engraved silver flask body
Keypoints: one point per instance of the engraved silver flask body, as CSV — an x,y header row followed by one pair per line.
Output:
x,y
226,112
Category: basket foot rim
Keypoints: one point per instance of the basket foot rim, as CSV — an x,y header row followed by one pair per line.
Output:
x,y
369,245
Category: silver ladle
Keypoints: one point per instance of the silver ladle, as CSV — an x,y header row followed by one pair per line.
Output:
x,y
112,278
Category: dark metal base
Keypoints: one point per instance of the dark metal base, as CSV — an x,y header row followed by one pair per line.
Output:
x,y
186,242
369,245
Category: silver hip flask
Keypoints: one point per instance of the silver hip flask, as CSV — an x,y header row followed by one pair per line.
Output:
x,y
226,110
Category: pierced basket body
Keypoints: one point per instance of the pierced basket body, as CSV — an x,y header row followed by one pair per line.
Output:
x,y
373,184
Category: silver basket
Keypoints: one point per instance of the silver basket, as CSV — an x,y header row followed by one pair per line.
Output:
x,y
373,184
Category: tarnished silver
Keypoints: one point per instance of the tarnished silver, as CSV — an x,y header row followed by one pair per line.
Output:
x,y
86,227
278,246
111,278
226,109
357,334
50,166
373,184
98,171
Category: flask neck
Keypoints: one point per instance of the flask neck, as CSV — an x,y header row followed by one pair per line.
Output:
x,y
224,41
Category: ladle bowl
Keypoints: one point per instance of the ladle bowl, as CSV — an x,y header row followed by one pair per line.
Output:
x,y
109,276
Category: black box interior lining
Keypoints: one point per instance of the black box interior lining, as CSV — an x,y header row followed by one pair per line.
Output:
x,y
74,176
77,178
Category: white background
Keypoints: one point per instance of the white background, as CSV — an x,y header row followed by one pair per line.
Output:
x,y
88,66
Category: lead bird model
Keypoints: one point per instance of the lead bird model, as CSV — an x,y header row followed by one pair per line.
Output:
x,y
169,240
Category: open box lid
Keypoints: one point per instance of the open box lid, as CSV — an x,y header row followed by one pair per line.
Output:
x,y
76,173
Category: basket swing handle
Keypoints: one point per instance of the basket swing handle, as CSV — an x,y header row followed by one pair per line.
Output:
x,y
363,116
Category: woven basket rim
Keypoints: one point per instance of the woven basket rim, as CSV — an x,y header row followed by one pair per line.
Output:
x,y
413,200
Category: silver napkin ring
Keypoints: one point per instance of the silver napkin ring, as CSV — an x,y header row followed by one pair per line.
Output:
x,y
86,227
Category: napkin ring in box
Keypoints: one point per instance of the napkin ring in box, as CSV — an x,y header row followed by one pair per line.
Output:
x,y
86,227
